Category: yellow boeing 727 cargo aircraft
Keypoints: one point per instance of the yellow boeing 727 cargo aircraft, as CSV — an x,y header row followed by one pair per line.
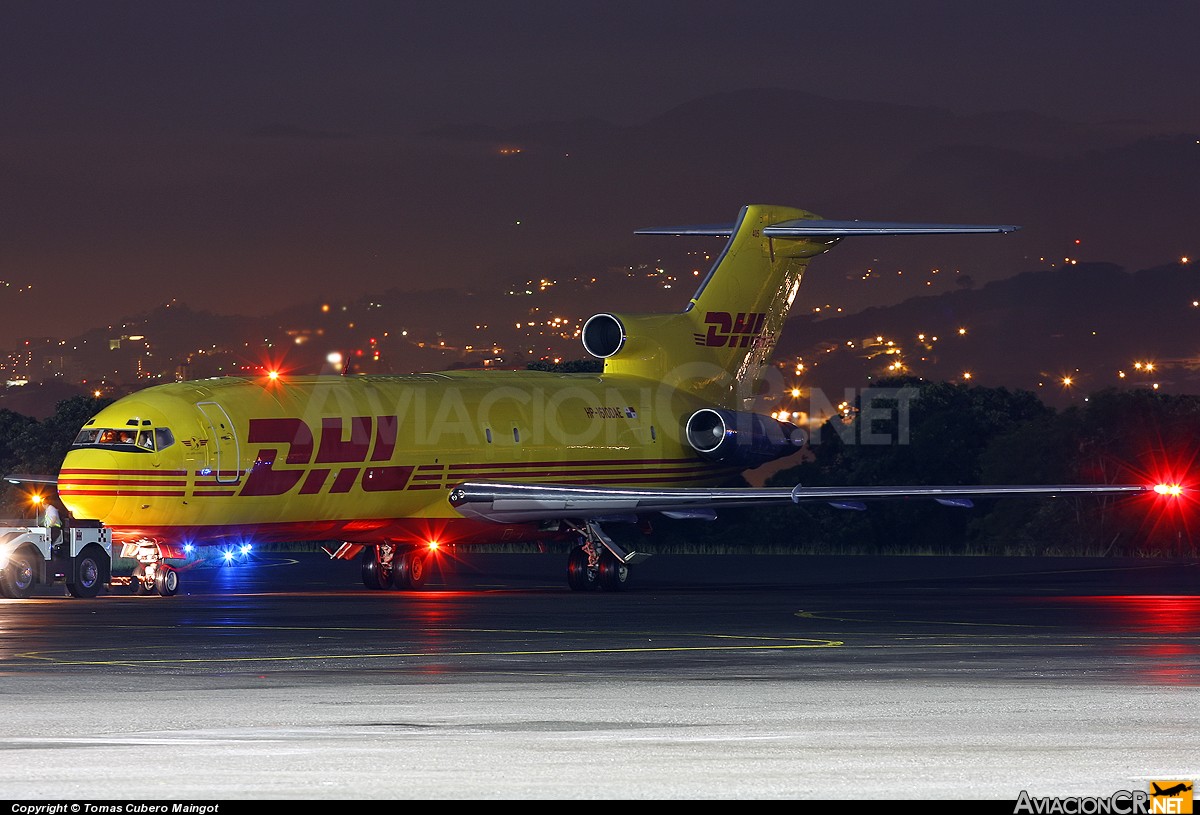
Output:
x,y
391,467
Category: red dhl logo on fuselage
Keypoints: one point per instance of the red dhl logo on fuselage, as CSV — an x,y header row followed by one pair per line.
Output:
x,y
264,479
725,330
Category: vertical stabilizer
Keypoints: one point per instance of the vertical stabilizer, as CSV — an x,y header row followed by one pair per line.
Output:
x,y
719,346
739,310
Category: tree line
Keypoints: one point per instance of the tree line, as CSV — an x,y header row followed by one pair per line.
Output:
x,y
30,446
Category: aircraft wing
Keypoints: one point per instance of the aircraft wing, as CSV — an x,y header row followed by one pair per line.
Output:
x,y
514,502
30,478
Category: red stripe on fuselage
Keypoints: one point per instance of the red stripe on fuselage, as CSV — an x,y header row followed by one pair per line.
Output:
x,y
97,471
120,492
125,482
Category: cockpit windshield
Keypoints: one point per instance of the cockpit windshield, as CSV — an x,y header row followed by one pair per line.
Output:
x,y
145,440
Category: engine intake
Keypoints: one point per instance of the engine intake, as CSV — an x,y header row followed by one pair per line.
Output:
x,y
603,335
742,439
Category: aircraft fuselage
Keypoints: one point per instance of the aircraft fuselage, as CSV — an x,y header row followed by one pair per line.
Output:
x,y
370,458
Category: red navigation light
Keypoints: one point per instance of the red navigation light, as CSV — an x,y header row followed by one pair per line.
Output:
x,y
1171,490
433,545
272,367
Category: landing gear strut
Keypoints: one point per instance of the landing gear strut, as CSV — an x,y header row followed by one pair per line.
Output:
x,y
598,562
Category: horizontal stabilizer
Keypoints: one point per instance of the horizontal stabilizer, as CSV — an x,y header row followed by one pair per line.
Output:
x,y
702,230
858,506
808,228
965,503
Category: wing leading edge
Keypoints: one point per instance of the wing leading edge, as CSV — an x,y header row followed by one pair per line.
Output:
x,y
30,478
513,502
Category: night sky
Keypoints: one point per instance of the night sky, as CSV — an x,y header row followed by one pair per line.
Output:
x,y
243,156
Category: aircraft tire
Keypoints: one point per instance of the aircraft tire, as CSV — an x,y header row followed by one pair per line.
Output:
x,y
416,566
613,573
579,577
166,581
374,576
411,571
17,577
89,569
400,574
137,581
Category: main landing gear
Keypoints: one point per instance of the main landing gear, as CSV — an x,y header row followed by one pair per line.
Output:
x,y
394,566
597,562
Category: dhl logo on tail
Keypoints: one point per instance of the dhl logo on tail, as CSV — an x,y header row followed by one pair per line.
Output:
x,y
726,330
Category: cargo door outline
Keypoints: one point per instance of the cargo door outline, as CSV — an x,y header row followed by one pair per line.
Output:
x,y
225,442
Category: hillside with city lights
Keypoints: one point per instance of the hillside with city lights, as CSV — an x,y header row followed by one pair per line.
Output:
x,y
1026,332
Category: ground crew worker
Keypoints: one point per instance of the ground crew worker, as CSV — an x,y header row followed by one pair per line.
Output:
x,y
54,523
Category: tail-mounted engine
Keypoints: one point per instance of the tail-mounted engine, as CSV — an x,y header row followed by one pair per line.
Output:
x,y
741,439
604,335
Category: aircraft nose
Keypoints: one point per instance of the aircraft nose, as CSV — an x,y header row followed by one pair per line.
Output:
x,y
88,483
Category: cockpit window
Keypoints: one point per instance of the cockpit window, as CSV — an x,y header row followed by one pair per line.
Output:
x,y
86,437
140,441
115,437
